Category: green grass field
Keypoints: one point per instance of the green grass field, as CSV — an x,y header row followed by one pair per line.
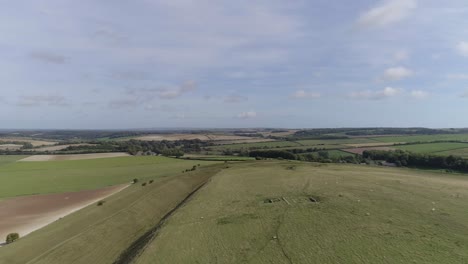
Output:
x,y
7,159
26,178
99,234
364,215
269,144
463,152
315,142
307,143
432,147
422,138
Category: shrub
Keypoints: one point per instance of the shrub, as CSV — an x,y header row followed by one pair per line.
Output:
x,y
151,181
12,237
135,180
100,203
143,184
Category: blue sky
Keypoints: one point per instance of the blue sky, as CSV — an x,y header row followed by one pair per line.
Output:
x,y
179,63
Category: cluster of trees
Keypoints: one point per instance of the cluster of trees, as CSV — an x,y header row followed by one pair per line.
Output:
x,y
245,151
164,147
12,237
275,154
320,156
405,158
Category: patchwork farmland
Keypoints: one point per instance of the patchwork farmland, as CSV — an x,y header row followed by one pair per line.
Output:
x,y
213,201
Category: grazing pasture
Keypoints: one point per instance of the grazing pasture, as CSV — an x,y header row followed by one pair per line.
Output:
x,y
435,148
422,138
272,144
462,152
27,178
292,212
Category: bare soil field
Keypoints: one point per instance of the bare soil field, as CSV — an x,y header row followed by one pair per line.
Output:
x,y
206,137
376,144
26,214
59,147
361,150
35,143
10,146
74,156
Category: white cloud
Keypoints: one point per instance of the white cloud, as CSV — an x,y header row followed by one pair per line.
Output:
x,y
387,92
247,115
462,48
419,94
302,94
388,12
397,73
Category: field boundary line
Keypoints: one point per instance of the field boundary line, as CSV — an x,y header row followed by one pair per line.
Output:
x,y
88,228
140,244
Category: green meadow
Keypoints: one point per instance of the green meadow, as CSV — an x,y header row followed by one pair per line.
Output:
x,y
26,178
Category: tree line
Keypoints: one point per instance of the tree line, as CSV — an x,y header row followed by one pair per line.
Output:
x,y
406,158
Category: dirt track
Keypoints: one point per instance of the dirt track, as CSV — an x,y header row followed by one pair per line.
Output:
x,y
25,214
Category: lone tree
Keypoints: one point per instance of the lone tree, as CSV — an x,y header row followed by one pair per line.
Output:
x,y
12,237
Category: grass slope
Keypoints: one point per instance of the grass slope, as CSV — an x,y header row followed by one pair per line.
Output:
x,y
365,215
99,234
26,178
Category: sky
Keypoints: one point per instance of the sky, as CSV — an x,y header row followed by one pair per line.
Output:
x,y
111,64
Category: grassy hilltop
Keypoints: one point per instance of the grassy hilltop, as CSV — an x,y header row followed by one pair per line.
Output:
x,y
363,215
